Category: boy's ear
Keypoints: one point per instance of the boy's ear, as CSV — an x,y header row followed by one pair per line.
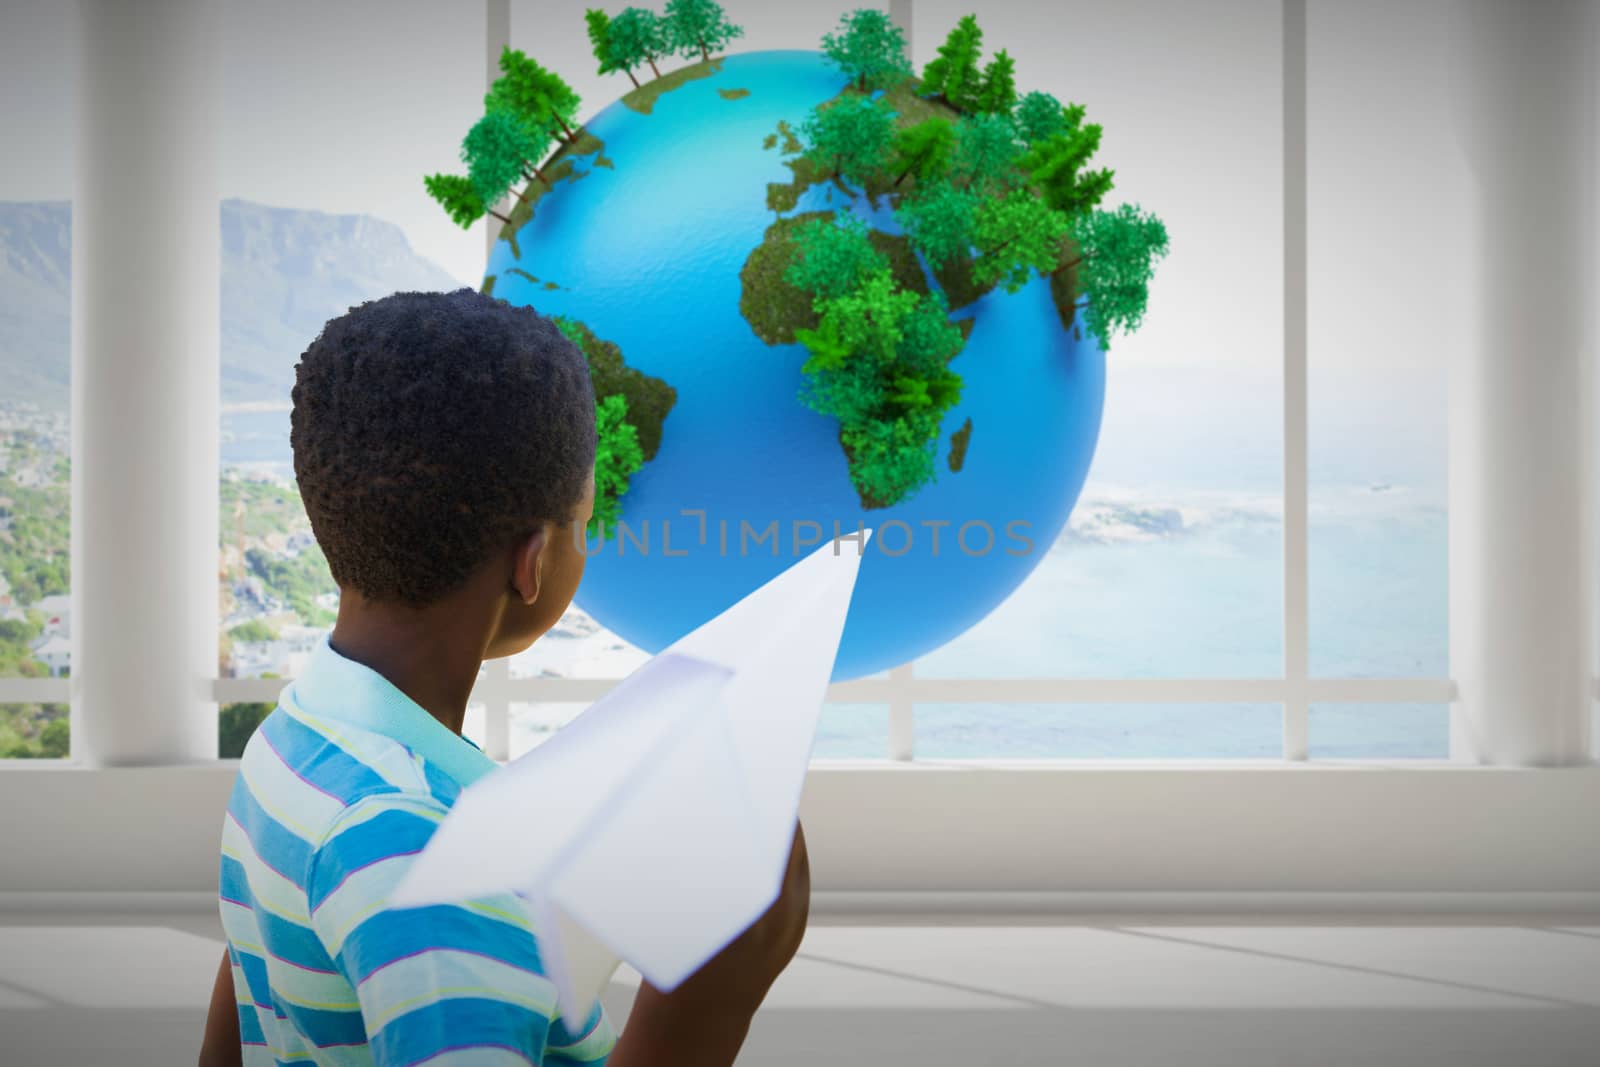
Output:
x,y
527,565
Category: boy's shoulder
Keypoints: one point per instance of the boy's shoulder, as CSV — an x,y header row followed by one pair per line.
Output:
x,y
343,748
311,774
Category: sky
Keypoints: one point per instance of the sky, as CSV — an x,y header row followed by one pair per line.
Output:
x,y
343,106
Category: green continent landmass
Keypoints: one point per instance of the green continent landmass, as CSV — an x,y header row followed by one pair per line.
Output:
x,y
783,196
1064,291
954,277
643,99
791,143
561,167
649,399
958,445
774,308
910,110
986,186
519,272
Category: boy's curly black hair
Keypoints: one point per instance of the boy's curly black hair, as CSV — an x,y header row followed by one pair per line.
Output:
x,y
433,429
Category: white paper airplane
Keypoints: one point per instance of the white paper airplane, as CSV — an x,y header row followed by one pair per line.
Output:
x,y
656,826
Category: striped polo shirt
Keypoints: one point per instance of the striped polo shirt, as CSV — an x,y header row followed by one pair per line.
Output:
x,y
342,784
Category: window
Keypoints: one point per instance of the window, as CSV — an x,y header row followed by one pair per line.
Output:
x,y
1388,265
1380,731
303,244
1390,254
1156,626
37,57
1171,565
579,649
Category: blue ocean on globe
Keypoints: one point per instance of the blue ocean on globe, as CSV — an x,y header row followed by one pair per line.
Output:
x,y
644,245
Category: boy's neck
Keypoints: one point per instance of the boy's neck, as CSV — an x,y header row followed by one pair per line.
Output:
x,y
430,654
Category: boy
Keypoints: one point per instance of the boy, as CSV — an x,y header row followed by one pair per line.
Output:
x,y
444,446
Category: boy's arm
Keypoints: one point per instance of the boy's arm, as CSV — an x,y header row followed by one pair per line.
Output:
x,y
220,1045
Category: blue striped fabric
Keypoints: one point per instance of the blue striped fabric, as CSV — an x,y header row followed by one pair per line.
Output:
x,y
345,781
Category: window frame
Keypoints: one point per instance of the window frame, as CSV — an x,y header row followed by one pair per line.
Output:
x,y
936,837
902,690
1295,690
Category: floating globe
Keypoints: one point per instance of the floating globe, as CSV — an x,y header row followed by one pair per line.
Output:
x,y
642,237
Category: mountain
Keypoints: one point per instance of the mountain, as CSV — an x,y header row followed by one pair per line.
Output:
x,y
284,273
35,288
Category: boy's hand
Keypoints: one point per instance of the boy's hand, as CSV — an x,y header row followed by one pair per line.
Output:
x,y
220,1047
703,1022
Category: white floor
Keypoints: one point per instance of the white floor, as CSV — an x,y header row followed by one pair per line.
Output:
x,y
1340,992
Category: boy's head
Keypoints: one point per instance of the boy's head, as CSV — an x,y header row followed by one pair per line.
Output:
x,y
445,442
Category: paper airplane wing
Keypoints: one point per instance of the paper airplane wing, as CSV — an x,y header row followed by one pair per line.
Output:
x,y
657,825
512,830
779,643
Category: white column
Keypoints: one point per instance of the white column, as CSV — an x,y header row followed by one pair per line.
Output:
x,y
496,39
1591,366
902,709
1521,567
145,378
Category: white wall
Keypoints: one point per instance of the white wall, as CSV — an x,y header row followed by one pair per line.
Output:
x,y
1084,829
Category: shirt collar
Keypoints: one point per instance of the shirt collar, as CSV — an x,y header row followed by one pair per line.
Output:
x,y
336,687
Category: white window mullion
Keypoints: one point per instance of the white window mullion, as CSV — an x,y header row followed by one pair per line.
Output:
x,y
1296,527
902,713
494,692
901,690
901,685
35,690
248,690
492,689
496,39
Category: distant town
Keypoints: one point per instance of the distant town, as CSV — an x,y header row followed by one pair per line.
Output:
x,y
276,597
35,610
